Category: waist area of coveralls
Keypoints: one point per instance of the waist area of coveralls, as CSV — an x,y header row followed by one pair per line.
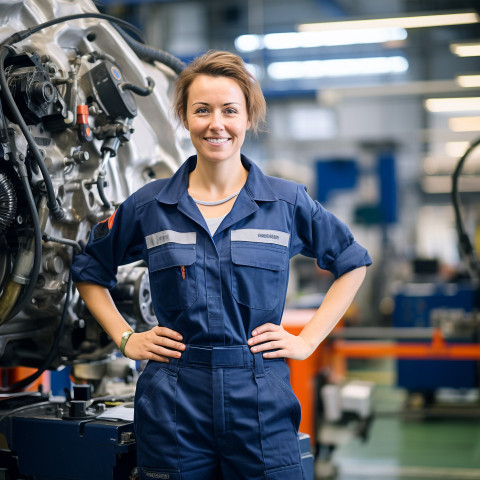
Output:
x,y
235,356
222,362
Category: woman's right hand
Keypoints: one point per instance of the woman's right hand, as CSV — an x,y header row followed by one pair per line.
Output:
x,y
158,344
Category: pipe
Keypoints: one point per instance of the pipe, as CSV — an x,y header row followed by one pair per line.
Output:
x,y
9,297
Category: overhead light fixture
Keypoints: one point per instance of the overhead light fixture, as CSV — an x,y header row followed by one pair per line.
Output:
x,y
456,149
470,49
443,184
464,124
280,41
468,81
337,67
463,104
414,21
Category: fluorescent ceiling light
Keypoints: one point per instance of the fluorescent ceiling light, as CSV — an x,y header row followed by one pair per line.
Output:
x,y
456,149
337,67
471,49
468,80
279,41
464,124
434,165
443,184
255,70
463,104
417,21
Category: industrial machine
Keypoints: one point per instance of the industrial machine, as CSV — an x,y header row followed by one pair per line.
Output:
x,y
85,120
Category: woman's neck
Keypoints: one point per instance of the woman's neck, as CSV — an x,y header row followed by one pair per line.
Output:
x,y
214,181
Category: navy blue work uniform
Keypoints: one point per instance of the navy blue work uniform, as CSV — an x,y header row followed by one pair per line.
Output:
x,y
218,412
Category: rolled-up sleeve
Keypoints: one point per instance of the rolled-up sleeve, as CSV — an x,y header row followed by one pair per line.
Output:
x,y
116,241
321,235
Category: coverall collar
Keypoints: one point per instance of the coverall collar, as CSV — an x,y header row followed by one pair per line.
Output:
x,y
257,185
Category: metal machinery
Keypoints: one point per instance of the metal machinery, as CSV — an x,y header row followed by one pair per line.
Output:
x,y
85,120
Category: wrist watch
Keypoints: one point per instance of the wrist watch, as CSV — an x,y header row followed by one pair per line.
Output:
x,y
125,336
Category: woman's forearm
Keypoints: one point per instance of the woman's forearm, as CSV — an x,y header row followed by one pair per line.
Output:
x,y
334,305
158,343
100,304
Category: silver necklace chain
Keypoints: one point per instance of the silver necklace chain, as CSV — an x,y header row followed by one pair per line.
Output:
x,y
218,202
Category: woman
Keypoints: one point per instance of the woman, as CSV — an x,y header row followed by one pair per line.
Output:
x,y
215,401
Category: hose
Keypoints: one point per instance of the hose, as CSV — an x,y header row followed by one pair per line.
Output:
x,y
101,191
22,35
151,54
8,202
30,379
466,248
56,210
142,91
7,312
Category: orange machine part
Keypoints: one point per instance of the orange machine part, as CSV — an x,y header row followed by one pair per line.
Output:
x,y
14,375
303,373
335,353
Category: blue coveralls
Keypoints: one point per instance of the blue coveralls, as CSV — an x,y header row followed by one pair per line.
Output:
x,y
219,412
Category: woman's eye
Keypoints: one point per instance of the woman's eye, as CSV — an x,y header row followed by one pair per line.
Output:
x,y
230,111
201,110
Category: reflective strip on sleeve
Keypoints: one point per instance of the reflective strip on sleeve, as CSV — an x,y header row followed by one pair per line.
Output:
x,y
261,236
170,236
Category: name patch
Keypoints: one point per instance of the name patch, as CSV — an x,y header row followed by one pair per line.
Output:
x,y
170,236
261,236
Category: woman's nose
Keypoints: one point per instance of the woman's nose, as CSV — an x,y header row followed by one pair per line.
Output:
x,y
216,121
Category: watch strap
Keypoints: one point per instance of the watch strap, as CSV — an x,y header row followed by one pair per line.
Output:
x,y
125,337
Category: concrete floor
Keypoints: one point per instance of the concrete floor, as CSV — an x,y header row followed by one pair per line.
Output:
x,y
413,447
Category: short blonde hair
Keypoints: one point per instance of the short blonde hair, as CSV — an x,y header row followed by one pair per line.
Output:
x,y
222,64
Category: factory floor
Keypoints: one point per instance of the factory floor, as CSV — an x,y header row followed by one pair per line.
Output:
x,y
409,444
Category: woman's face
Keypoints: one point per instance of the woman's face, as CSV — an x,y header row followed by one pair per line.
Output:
x,y
216,118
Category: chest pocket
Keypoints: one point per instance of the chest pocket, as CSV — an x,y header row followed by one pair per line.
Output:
x,y
173,276
258,274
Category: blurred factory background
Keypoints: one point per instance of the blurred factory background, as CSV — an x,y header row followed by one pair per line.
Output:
x,y
374,119
375,106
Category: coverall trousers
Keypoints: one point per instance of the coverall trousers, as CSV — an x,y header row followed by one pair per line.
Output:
x,y
217,413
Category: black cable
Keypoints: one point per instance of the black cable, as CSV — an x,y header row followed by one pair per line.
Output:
x,y
142,91
466,248
151,54
30,379
101,190
37,238
22,35
54,207
22,409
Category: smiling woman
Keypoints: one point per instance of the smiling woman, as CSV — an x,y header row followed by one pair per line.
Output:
x,y
215,400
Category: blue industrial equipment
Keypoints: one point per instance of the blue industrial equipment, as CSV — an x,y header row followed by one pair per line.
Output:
x,y
447,306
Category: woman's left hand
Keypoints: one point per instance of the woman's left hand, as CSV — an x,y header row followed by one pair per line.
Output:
x,y
268,337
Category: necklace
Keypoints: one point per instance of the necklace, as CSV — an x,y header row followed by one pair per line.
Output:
x,y
218,202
